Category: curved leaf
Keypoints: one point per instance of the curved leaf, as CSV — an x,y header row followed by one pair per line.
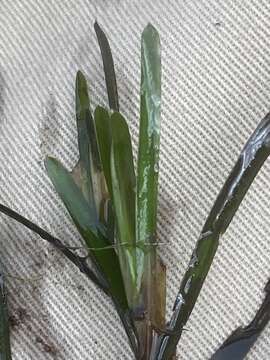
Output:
x,y
252,157
93,233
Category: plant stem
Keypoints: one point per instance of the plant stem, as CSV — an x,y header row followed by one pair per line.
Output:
x,y
81,263
5,350
254,154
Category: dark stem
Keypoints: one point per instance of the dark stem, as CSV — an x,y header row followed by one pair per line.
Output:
x,y
252,157
81,263
5,350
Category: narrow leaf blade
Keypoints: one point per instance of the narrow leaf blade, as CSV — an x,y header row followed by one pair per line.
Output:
x,y
148,155
104,137
150,279
85,123
123,187
88,172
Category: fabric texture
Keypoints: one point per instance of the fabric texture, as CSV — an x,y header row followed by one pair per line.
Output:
x,y
215,90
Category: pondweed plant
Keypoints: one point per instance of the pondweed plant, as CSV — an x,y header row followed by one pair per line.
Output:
x,y
113,204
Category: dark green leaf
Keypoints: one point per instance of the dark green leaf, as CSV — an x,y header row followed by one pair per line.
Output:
x,y
110,222
104,137
85,123
123,187
148,154
81,173
254,154
108,67
88,173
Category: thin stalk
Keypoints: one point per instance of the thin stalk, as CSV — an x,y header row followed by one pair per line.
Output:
x,y
5,350
81,263
251,159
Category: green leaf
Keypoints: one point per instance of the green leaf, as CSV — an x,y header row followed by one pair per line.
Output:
x,y
123,187
110,223
85,122
81,172
88,172
104,137
148,277
148,155
108,67
80,262
251,159
93,233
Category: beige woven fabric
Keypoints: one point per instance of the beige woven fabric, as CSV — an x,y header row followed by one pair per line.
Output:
x,y
216,88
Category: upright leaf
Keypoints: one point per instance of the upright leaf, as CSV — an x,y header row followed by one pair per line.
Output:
x,y
123,188
104,137
85,122
108,67
88,173
151,280
148,155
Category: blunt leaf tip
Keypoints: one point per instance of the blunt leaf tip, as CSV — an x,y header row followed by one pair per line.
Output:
x,y
150,29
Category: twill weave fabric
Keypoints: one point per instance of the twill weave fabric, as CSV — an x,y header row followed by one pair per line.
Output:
x,y
215,90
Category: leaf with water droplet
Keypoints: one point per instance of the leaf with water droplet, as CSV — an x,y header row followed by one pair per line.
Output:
x,y
123,184
148,152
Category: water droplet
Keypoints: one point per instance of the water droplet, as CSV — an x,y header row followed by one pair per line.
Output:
x,y
205,234
156,168
187,286
179,301
194,260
